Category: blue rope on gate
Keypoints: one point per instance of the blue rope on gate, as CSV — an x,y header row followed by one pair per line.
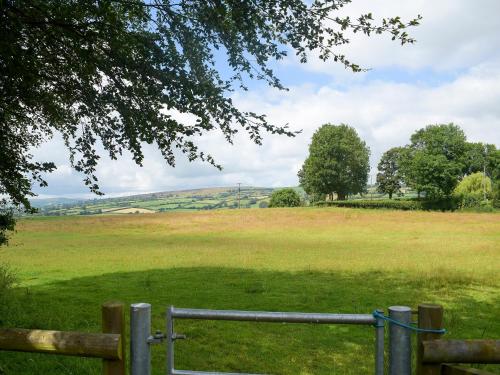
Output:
x,y
378,315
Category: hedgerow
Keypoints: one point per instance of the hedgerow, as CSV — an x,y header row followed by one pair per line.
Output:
x,y
448,204
406,205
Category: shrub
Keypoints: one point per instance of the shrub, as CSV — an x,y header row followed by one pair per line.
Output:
x,y
7,281
484,206
394,204
471,191
496,194
285,198
442,204
445,204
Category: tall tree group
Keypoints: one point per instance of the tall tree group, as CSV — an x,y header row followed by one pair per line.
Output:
x,y
437,158
435,161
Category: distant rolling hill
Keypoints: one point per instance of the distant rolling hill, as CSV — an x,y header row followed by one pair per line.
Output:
x,y
43,202
180,200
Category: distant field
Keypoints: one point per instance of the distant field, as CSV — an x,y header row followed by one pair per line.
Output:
x,y
131,210
305,259
182,200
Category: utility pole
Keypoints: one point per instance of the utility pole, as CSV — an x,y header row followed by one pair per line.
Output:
x,y
484,171
371,187
239,195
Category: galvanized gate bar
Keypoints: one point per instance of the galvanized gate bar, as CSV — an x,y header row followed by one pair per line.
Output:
x,y
188,372
379,345
265,316
170,342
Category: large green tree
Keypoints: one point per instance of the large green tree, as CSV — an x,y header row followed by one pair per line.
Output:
x,y
338,162
389,179
113,72
434,161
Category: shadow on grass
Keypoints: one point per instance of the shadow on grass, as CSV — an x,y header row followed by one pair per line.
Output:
x,y
470,311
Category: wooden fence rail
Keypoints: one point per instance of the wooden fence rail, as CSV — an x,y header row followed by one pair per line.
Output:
x,y
109,345
97,345
461,351
456,370
436,356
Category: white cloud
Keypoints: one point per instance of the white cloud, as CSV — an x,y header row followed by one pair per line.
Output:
x,y
454,34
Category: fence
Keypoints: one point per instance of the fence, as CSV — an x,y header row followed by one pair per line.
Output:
x,y
109,345
141,338
435,356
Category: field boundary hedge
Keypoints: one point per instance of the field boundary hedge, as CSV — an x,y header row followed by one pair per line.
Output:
x,y
406,205
447,204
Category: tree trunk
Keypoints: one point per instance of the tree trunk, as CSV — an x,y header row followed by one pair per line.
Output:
x,y
341,196
390,195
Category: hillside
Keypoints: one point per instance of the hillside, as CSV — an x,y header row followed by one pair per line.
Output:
x,y
196,199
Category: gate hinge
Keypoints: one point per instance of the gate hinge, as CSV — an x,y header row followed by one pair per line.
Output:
x,y
157,338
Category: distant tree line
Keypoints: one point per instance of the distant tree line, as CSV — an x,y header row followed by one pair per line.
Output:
x,y
434,163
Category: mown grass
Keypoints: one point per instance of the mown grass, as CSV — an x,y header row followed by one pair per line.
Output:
x,y
321,260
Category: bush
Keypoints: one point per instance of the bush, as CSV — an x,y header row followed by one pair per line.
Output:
x,y
484,206
285,198
395,204
7,281
471,191
443,204
446,204
496,194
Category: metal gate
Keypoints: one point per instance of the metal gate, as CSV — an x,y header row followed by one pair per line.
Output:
x,y
141,338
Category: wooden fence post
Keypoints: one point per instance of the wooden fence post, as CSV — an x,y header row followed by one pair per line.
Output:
x,y
429,317
113,321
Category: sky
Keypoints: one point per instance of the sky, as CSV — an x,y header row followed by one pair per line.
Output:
x,y
452,74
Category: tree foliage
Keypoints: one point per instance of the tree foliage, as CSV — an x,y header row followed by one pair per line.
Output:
x,y
338,162
476,183
437,159
115,73
7,223
389,178
474,190
434,161
287,197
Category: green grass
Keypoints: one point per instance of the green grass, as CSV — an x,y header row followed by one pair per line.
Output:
x,y
318,260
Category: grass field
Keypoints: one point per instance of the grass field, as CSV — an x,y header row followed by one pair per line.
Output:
x,y
319,260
